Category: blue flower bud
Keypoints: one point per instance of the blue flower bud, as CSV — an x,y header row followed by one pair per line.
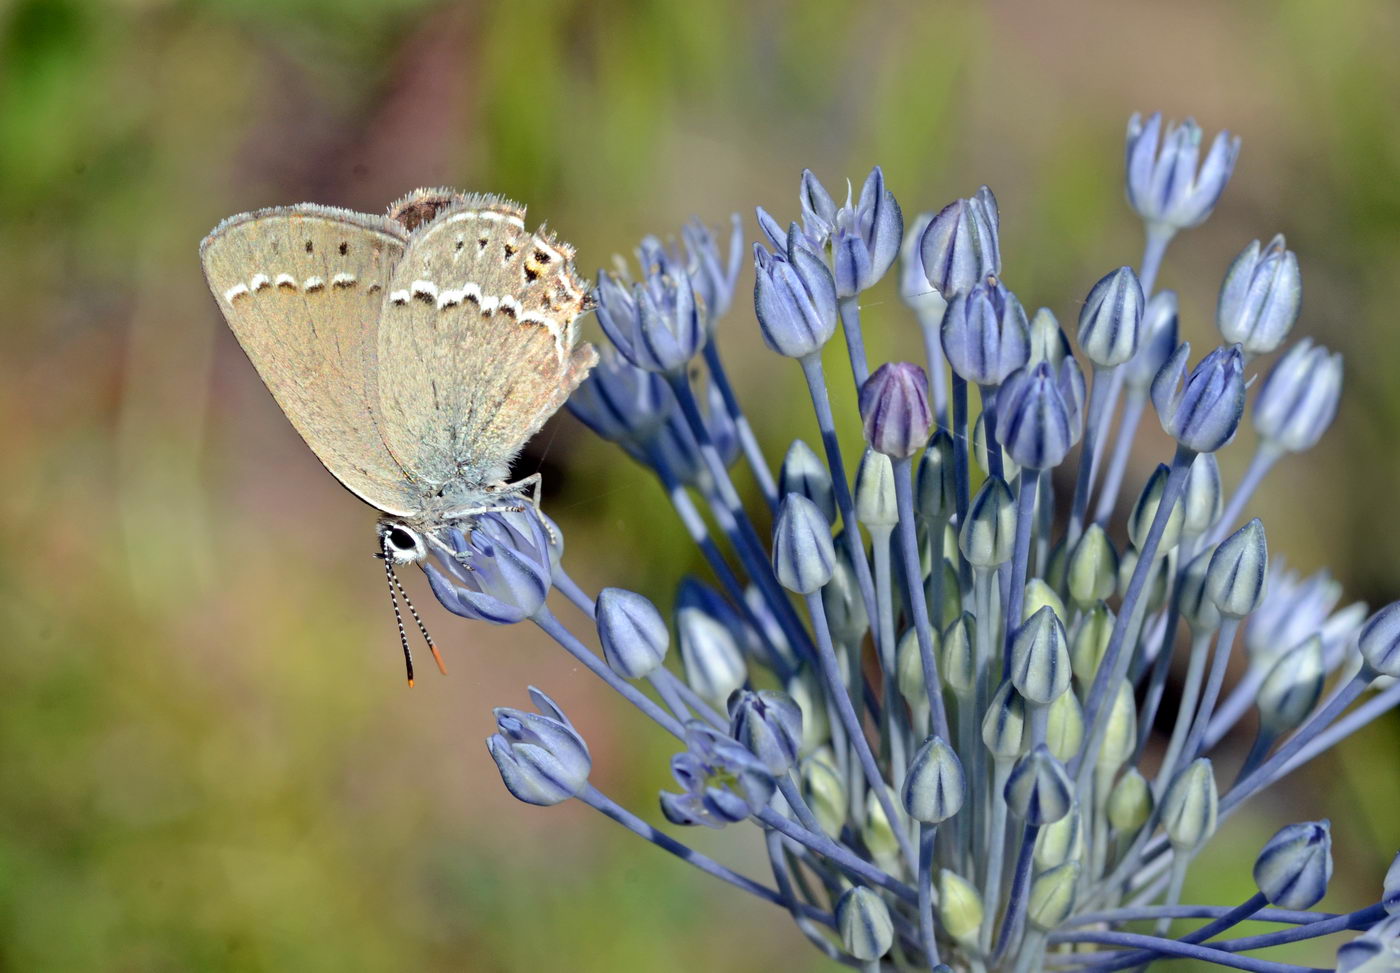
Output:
x,y
1165,189
933,789
1298,400
619,401
1292,687
714,277
633,634
1040,668
914,287
714,663
658,326
937,483
818,209
960,248
1035,422
867,932
1110,322
498,570
769,723
1039,790
804,557
1380,641
804,473
1374,951
795,299
865,238
721,781
1189,806
1235,578
1260,298
1158,341
1295,865
1205,413
894,407
988,537
541,757
985,334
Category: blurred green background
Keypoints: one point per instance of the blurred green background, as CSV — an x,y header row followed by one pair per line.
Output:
x,y
208,759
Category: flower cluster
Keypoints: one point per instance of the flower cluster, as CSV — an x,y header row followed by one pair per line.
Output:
x,y
932,690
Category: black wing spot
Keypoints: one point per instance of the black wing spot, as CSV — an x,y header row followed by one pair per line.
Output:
x,y
461,243
511,250
541,257
308,246
344,248
531,274
481,242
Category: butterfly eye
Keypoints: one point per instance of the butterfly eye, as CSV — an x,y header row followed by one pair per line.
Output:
x,y
401,545
400,539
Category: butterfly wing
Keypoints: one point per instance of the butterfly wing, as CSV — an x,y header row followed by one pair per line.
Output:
x,y
476,344
301,288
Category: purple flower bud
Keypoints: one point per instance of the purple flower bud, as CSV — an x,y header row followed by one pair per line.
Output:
x,y
769,723
1110,322
1205,413
804,557
795,300
894,406
1035,422
960,248
633,634
986,335
1295,865
1260,298
496,570
1159,339
1298,400
1165,189
541,757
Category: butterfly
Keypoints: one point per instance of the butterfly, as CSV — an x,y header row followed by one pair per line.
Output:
x,y
416,353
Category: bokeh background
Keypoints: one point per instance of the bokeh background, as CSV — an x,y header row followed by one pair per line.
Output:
x,y
208,759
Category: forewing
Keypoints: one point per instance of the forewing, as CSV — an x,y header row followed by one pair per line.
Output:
x,y
302,287
476,343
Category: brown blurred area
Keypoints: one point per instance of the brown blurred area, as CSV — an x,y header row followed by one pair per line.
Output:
x,y
208,758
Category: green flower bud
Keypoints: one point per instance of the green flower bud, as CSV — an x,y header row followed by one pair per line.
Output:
x,y
987,538
1092,572
1003,728
1190,805
1040,595
864,923
879,836
1120,738
909,671
1198,610
1154,592
937,486
1292,687
1064,727
1145,510
1235,578
959,658
874,496
959,907
1040,667
1130,802
1010,469
1061,841
1201,497
1052,896
1090,642
825,792
933,789
816,731
842,602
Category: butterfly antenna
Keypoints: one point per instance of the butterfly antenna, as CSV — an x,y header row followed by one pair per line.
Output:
x,y
432,646
398,617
